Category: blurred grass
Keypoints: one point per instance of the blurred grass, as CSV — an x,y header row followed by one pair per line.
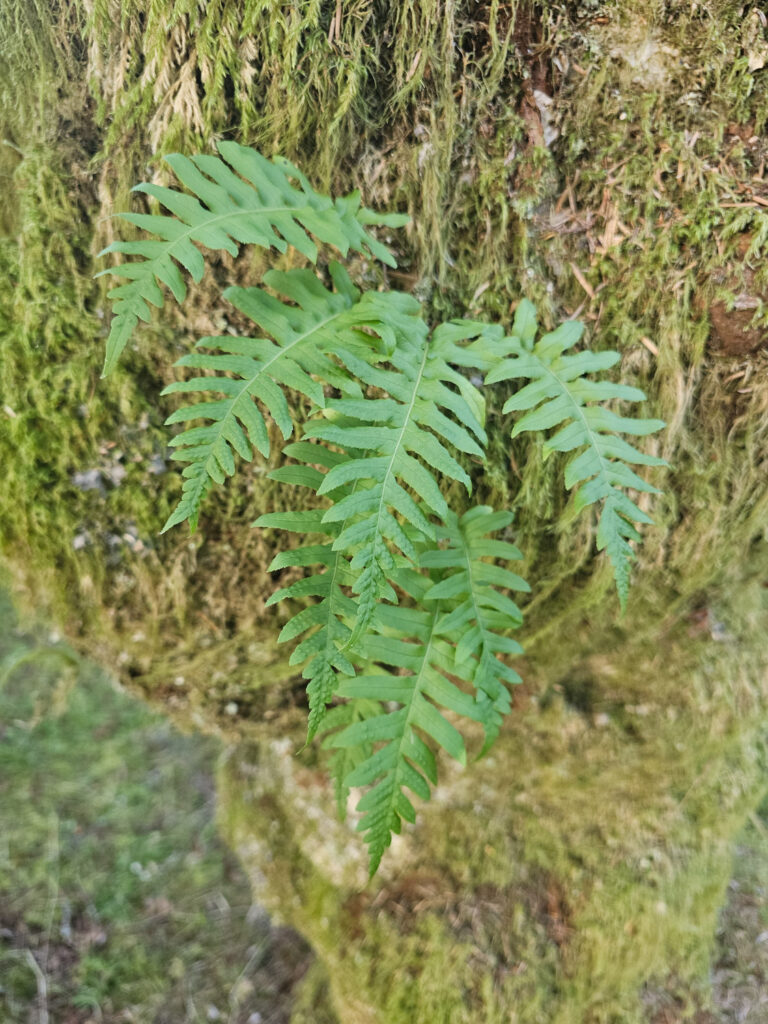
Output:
x,y
118,901
740,970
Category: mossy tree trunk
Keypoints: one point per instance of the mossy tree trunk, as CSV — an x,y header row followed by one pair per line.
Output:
x,y
606,160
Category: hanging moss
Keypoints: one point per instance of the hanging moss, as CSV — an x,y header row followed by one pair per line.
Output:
x,y
440,121
430,110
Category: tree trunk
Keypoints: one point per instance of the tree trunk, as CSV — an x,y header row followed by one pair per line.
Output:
x,y
605,160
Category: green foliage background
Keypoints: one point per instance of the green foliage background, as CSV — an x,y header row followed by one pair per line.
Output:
x,y
637,748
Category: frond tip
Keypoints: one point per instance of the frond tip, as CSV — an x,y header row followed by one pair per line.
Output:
x,y
236,198
403,758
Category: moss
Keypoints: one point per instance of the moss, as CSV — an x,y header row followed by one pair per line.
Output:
x,y
591,877
607,810
446,136
311,1000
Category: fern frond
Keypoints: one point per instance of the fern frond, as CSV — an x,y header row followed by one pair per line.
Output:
x,y
480,613
312,340
403,758
459,601
396,445
560,395
236,198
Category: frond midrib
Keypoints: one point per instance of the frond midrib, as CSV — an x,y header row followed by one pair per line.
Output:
x,y
396,450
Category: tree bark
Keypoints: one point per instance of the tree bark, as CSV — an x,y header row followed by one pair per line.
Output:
x,y
605,160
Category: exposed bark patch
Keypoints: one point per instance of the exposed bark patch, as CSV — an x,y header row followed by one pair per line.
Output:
x,y
537,87
531,47
482,916
732,333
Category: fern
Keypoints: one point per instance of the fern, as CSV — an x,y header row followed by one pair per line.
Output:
x,y
560,393
403,616
322,324
239,197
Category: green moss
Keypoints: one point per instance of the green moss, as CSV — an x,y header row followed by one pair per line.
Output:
x,y
312,1001
606,811
433,123
580,887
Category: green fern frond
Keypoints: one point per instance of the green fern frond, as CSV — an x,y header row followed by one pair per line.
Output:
x,y
560,395
454,632
313,339
403,758
396,445
237,198
481,613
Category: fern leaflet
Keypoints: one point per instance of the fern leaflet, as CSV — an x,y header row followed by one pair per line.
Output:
x,y
236,198
560,393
